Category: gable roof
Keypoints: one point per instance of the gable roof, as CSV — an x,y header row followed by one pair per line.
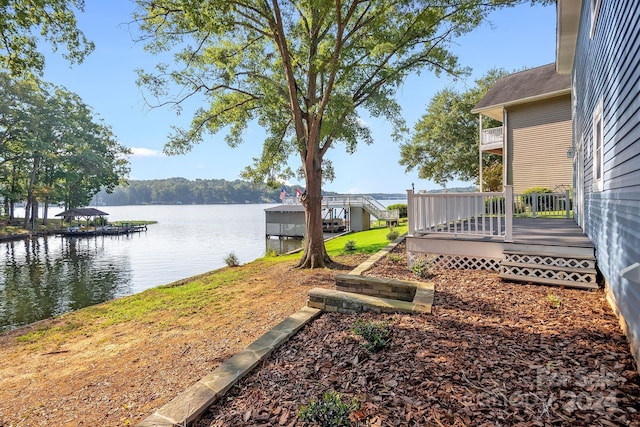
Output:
x,y
82,212
519,88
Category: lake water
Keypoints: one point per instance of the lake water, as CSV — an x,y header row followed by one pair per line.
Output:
x,y
47,276
44,277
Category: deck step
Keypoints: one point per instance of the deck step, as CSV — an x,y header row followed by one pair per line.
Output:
x,y
351,303
552,253
549,267
578,271
546,281
548,250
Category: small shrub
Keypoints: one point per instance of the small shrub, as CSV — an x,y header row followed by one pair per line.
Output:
x,y
231,260
376,334
395,258
350,246
422,266
554,300
271,253
392,234
331,411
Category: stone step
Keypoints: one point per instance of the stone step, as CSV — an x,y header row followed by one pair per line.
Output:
x,y
377,287
351,303
547,281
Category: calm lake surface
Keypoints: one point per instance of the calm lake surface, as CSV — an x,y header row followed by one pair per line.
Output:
x,y
43,277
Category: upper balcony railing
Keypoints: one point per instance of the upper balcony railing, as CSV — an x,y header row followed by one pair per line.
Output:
x,y
489,138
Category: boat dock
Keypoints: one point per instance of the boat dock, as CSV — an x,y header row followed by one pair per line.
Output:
x,y
107,230
340,213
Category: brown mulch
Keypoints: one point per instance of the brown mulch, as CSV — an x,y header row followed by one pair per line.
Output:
x,y
492,353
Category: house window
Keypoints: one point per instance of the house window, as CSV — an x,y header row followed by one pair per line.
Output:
x,y
598,155
595,11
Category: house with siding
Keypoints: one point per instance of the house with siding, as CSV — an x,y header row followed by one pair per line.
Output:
x,y
598,47
534,107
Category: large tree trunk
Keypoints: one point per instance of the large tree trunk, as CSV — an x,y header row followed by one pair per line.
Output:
x,y
315,254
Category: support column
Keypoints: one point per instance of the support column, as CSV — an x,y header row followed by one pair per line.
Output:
x,y
480,151
411,214
508,213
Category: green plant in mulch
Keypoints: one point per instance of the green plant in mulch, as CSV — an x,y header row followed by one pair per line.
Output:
x,y
377,335
395,258
422,267
330,411
554,300
231,260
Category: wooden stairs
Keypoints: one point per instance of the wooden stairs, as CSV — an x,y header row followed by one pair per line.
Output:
x,y
550,265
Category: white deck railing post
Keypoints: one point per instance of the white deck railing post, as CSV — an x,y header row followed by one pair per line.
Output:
x,y
567,202
508,213
411,213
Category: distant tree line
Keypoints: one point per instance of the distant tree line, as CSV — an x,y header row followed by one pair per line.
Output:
x,y
183,191
173,191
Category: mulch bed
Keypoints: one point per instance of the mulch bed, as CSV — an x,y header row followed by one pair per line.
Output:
x,y
492,353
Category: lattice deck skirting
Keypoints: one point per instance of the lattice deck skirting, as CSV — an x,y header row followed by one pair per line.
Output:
x,y
574,271
458,262
550,261
525,272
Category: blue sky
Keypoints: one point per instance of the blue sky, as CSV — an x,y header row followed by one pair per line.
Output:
x,y
512,38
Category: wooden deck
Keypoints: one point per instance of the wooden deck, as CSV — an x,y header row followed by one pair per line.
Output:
x,y
550,232
527,231
544,250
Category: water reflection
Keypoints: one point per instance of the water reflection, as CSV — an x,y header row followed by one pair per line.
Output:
x,y
44,277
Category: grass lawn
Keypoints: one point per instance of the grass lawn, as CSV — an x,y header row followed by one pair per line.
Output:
x,y
366,242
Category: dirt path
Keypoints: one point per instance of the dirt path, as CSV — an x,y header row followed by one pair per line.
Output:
x,y
117,375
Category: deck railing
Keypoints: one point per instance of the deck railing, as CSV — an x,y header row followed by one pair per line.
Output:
x,y
543,204
473,214
368,203
480,214
491,136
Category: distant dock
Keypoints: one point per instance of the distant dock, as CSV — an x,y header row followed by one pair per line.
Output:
x,y
107,230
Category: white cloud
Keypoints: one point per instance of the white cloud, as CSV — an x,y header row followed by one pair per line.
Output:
x,y
145,152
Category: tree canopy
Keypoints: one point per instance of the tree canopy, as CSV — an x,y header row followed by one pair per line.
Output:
x,y
302,69
24,23
52,148
445,142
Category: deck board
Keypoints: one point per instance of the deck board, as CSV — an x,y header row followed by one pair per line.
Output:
x,y
528,231
550,232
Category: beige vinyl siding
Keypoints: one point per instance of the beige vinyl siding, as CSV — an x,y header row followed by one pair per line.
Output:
x,y
538,137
